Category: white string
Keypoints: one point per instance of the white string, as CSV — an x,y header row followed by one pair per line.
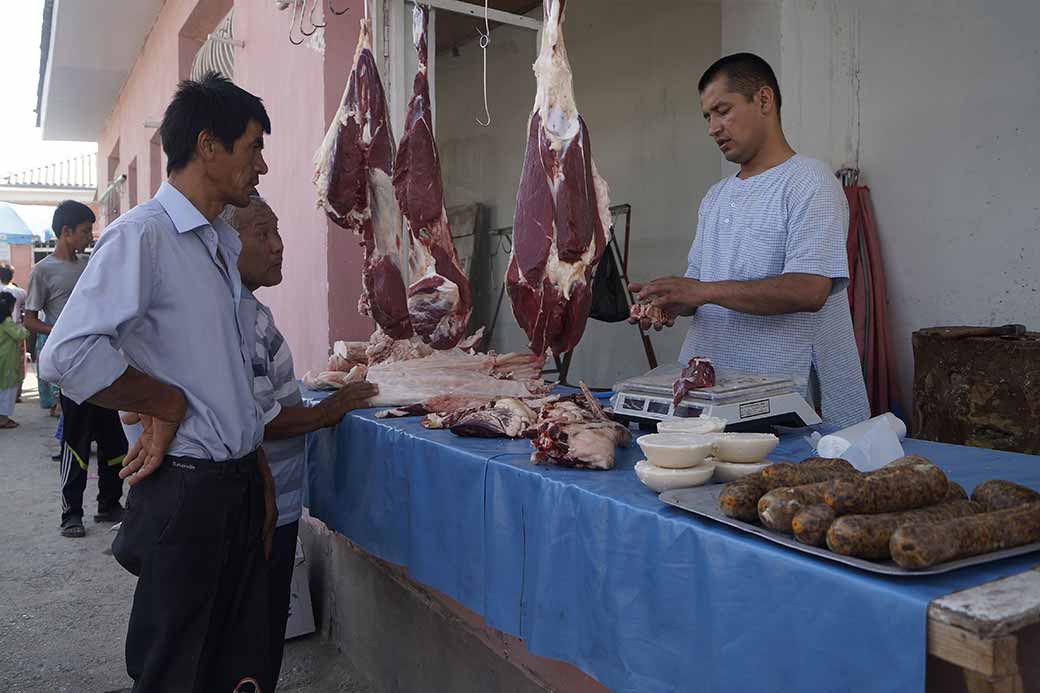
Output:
x,y
485,41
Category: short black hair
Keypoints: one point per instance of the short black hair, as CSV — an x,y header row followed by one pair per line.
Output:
x,y
6,305
746,72
71,213
6,274
213,103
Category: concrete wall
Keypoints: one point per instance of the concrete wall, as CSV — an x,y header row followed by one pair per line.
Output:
x,y
403,636
935,101
636,66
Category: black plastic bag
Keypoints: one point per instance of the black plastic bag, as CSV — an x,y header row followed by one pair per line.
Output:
x,y
609,303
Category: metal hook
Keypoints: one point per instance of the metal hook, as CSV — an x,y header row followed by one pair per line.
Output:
x,y
485,41
333,9
311,17
292,23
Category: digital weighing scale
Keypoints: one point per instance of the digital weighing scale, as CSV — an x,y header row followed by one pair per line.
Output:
x,y
748,402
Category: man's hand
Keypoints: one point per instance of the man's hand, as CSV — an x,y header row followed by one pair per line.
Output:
x,y
149,450
673,295
345,400
270,504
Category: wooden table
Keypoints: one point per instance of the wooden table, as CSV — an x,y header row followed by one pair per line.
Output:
x,y
987,639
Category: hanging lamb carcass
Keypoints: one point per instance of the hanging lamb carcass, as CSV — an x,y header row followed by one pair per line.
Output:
x,y
439,300
562,207
354,180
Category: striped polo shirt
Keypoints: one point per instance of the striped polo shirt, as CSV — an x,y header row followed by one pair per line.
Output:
x,y
275,386
793,218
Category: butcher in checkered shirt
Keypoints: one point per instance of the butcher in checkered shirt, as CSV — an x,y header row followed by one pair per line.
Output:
x,y
765,284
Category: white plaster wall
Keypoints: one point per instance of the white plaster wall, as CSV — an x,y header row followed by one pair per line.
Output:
x,y
936,102
636,66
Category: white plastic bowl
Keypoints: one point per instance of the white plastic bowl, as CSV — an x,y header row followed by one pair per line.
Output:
x,y
703,424
726,472
675,450
745,447
659,479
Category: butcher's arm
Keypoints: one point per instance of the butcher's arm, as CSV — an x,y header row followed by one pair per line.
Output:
x,y
296,421
32,322
788,293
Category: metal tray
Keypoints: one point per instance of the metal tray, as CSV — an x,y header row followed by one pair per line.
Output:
x,y
704,501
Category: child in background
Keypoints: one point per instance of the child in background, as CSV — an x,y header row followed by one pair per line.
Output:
x,y
11,338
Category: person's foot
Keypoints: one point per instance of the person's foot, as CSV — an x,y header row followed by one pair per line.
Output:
x,y
56,411
9,423
73,528
111,514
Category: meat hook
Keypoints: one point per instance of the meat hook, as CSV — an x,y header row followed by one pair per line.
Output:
x,y
485,41
292,22
311,17
333,9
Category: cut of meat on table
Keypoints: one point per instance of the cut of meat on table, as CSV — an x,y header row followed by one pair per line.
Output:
x,y
505,418
354,171
697,375
479,376
562,207
439,300
577,432
333,380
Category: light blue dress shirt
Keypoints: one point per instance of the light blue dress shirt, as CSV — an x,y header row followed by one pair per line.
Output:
x,y
156,297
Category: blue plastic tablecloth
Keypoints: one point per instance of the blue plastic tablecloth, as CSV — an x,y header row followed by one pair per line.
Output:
x,y
591,568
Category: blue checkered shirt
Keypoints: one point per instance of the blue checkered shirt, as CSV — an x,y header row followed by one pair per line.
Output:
x,y
793,218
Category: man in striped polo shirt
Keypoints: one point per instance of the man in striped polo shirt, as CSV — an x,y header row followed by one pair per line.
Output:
x,y
286,419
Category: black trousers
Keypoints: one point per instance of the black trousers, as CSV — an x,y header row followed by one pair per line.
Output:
x,y
84,423
283,560
193,534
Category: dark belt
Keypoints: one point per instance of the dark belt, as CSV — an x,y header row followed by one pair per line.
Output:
x,y
236,466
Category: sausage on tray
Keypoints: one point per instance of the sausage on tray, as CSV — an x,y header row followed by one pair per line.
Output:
x,y
1000,495
777,508
739,499
811,471
905,487
810,524
915,547
867,536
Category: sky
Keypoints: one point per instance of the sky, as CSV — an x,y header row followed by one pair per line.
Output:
x,y
21,145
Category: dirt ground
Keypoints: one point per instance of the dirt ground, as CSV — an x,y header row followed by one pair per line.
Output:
x,y
64,603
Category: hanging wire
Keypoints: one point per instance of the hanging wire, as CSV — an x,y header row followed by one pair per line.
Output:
x,y
485,41
311,17
292,22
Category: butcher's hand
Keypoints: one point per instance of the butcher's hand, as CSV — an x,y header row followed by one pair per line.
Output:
x,y
345,400
674,295
149,450
270,504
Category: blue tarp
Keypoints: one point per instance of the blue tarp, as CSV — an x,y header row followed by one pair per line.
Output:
x,y
590,568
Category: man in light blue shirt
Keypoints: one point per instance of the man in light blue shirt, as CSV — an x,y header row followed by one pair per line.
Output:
x,y
153,327
767,273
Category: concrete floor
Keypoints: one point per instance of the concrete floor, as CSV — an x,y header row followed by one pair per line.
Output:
x,y
64,603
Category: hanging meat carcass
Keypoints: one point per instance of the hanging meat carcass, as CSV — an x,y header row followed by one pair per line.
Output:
x,y
354,170
439,300
562,207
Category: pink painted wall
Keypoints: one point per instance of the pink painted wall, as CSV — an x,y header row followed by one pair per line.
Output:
x,y
21,263
301,87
